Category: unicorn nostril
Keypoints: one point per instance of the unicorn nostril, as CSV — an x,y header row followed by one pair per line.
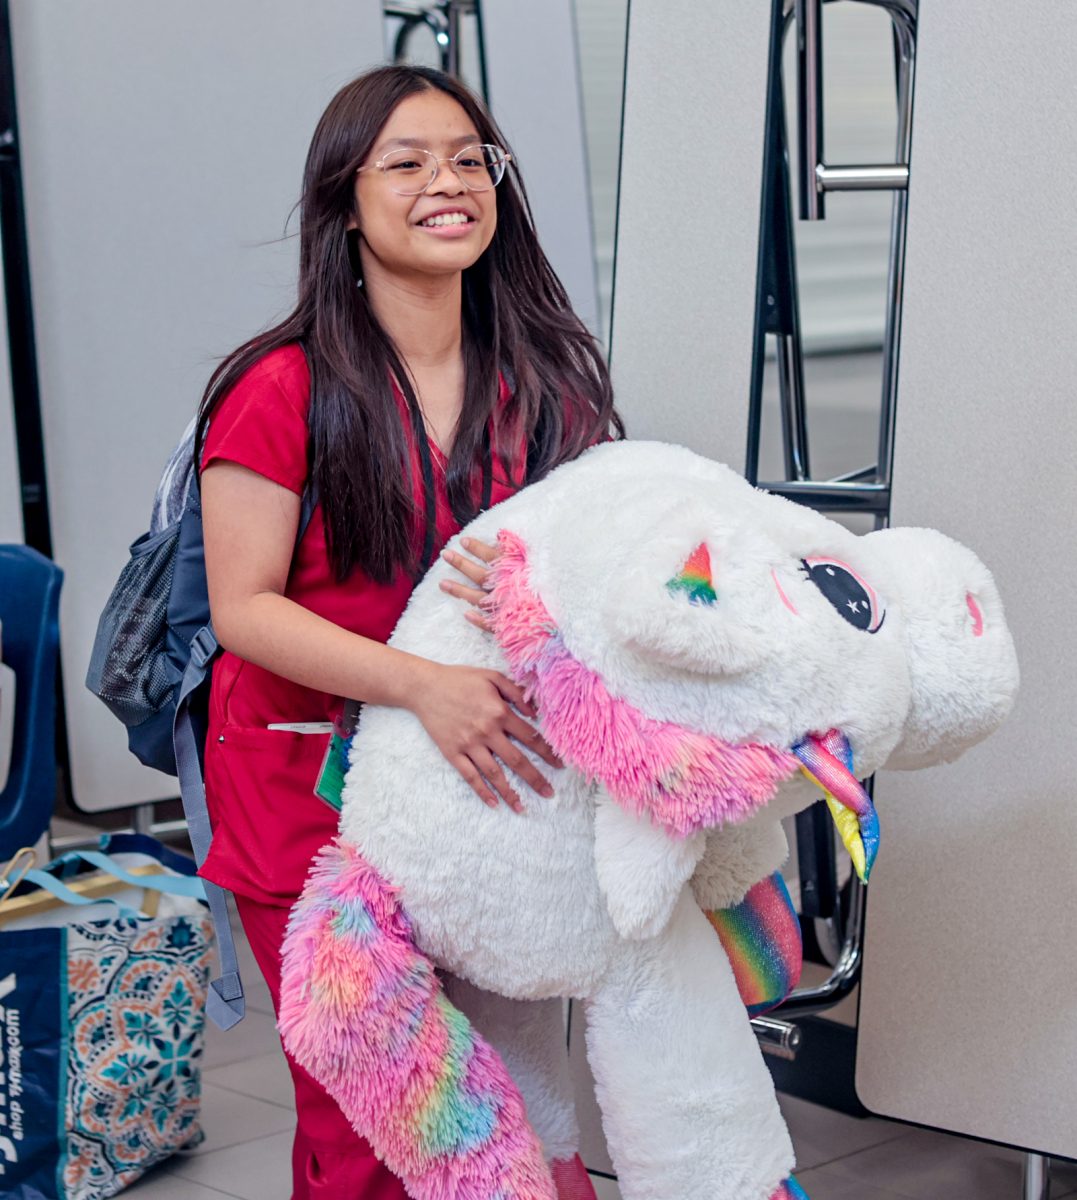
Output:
x,y
976,613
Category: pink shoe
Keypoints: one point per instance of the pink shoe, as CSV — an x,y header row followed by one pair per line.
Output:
x,y
571,1179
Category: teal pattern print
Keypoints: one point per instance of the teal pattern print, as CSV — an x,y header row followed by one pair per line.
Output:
x,y
136,1018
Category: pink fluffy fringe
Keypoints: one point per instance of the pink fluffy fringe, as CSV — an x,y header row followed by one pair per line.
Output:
x,y
685,781
364,1012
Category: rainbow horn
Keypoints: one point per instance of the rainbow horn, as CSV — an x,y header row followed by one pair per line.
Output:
x,y
695,579
827,760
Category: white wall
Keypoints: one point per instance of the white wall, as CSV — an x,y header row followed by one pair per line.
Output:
x,y
968,1011
162,149
684,306
534,92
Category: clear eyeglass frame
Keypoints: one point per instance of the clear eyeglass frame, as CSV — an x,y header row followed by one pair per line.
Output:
x,y
495,162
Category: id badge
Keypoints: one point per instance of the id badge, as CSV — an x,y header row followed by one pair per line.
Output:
x,y
330,785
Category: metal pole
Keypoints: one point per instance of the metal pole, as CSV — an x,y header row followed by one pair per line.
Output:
x,y
22,353
452,31
905,34
1037,1177
143,819
809,18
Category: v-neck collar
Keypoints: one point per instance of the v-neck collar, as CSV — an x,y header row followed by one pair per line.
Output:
x,y
435,449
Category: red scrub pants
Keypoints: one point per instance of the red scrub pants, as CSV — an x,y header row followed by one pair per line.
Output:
x,y
330,1161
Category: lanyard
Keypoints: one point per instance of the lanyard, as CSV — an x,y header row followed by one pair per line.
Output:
x,y
430,504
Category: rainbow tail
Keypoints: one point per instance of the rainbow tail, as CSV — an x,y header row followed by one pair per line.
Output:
x,y
761,937
363,1011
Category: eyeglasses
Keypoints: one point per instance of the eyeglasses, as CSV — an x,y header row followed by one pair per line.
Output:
x,y
411,171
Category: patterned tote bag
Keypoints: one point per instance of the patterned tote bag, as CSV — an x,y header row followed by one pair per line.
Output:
x,y
103,979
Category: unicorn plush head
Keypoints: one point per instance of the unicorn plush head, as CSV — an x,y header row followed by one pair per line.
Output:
x,y
770,639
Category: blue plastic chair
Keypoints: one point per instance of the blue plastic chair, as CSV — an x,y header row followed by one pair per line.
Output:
x,y
30,617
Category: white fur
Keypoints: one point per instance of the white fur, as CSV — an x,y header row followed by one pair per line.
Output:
x,y
641,869
736,858
575,898
963,687
687,1103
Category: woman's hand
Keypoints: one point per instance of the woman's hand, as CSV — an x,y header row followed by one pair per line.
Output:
x,y
469,713
477,572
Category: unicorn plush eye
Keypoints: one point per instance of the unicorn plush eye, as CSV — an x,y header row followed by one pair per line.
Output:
x,y
852,597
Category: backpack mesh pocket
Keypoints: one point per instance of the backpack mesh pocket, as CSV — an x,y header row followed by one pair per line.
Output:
x,y
130,669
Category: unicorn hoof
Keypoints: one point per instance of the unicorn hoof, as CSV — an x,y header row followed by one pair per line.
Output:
x,y
571,1179
790,1190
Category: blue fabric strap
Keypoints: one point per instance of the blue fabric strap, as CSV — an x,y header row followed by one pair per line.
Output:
x,y
61,891
168,885
225,1004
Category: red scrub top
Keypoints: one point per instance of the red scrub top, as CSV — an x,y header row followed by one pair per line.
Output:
x,y
267,822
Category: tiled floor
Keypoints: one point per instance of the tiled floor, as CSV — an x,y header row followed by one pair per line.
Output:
x,y
248,1115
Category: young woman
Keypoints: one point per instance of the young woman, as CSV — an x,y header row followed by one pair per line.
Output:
x,y
448,369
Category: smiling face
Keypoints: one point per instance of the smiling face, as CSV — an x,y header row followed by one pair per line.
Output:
x,y
393,238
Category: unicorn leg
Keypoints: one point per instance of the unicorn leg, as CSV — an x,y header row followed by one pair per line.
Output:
x,y
364,1012
530,1037
687,1103
761,936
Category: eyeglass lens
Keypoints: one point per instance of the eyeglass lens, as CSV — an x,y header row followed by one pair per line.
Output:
x,y
411,171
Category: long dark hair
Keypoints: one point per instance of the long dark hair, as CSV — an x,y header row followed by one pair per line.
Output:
x,y
516,317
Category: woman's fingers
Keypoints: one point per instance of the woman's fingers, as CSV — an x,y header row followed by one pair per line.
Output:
x,y
483,550
520,765
513,693
527,735
474,571
472,595
476,618
474,777
496,778
469,713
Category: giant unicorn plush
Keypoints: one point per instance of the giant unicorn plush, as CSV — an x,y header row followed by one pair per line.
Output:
x,y
703,656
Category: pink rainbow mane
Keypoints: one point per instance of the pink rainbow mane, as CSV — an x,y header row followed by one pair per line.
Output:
x,y
685,781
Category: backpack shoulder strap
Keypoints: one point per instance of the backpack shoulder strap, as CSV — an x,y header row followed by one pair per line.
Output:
x,y
225,1004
